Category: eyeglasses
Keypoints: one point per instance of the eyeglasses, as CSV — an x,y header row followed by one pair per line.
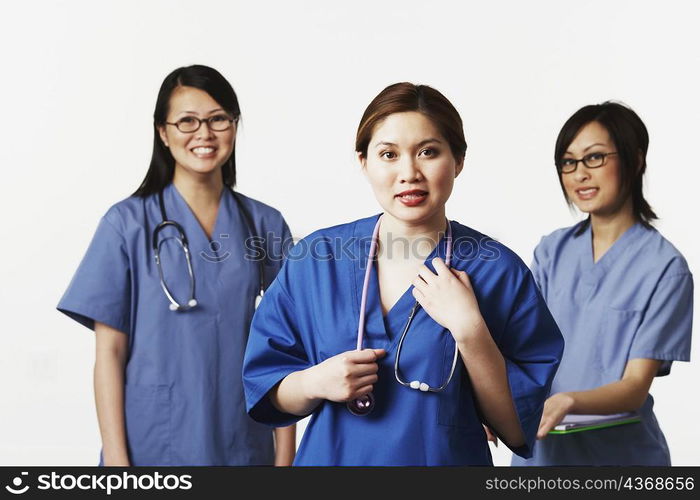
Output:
x,y
189,124
593,160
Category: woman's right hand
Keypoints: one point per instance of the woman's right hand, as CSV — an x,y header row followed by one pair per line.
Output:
x,y
556,407
110,359
345,376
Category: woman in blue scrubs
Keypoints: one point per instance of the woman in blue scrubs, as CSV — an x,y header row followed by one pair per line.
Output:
x,y
620,292
170,347
481,314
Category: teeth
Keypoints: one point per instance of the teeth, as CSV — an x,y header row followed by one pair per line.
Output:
x,y
587,191
203,151
412,196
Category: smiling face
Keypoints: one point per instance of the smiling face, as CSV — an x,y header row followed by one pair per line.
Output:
x,y
204,151
594,190
411,168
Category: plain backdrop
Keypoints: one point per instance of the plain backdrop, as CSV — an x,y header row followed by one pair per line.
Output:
x,y
78,88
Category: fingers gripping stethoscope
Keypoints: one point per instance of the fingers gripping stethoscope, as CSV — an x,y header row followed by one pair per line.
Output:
x,y
364,404
181,239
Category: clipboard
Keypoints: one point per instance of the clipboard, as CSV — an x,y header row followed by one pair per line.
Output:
x,y
580,423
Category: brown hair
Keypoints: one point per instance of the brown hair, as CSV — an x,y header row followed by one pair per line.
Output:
x,y
402,97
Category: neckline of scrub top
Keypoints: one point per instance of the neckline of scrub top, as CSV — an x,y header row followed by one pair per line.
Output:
x,y
375,321
597,270
186,211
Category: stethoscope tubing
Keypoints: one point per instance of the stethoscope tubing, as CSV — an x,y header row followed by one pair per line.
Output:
x,y
426,387
422,386
183,242
364,405
365,287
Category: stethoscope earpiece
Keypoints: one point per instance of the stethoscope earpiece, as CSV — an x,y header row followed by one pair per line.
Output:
x,y
419,386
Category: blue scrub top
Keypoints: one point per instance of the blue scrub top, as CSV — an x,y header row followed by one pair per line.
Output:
x,y
184,402
310,313
635,302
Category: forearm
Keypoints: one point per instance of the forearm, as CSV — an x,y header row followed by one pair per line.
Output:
x,y
109,400
616,397
624,395
293,394
285,445
487,372
340,378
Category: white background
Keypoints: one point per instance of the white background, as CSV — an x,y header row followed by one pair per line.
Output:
x,y
78,88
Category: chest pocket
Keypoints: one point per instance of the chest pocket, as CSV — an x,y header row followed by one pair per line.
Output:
x,y
615,340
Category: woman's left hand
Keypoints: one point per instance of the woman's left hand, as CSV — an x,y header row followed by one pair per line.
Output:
x,y
448,297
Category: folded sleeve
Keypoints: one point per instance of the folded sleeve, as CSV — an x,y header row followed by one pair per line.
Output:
x,y
101,287
666,327
532,346
275,349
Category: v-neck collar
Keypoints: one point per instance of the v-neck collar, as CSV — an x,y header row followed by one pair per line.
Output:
x,y
377,325
177,209
597,270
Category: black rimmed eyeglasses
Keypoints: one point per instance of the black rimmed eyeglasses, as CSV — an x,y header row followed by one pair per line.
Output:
x,y
189,124
592,160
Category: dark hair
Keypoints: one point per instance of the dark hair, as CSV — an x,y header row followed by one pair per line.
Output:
x,y
160,172
401,97
631,139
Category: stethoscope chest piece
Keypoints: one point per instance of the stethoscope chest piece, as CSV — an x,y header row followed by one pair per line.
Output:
x,y
361,406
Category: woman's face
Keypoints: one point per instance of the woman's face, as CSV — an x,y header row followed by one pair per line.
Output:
x,y
204,151
410,167
594,190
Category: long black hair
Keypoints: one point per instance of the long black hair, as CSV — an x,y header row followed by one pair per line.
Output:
x,y
631,139
160,172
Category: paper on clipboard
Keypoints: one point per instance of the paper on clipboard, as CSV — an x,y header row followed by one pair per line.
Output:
x,y
578,423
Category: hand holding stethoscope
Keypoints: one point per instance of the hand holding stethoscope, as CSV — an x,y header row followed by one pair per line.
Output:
x,y
448,298
346,376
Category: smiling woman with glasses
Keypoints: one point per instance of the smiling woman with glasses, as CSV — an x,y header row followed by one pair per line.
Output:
x,y
169,288
620,292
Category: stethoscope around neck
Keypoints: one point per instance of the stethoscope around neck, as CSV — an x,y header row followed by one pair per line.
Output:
x,y
181,239
364,404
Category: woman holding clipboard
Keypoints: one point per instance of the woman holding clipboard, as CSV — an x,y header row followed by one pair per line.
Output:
x,y
621,294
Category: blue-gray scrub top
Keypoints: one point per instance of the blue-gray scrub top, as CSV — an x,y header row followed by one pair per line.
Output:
x,y
184,402
310,314
635,302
